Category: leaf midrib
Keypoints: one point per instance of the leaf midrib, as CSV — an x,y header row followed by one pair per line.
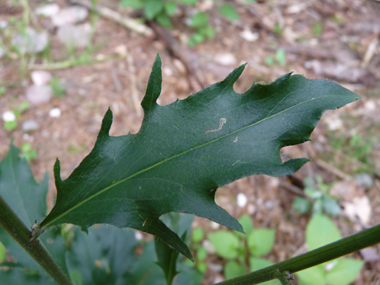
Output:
x,y
175,156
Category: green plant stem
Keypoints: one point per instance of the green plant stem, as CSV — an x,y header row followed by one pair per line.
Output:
x,y
20,233
312,258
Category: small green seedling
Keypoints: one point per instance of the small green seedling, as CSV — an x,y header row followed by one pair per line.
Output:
x,y
10,117
279,57
200,22
343,271
197,237
239,248
317,29
2,91
229,12
317,198
58,88
28,152
162,12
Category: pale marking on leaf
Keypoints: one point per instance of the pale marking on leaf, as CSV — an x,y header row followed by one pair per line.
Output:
x,y
177,155
235,140
222,121
237,161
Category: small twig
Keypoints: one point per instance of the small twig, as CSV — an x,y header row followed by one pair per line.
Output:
x,y
371,50
292,188
331,169
109,14
184,54
116,81
64,64
305,51
312,258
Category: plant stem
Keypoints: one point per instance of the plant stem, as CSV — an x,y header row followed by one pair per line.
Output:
x,y
20,233
312,258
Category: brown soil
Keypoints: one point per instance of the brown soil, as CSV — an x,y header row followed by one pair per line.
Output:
x,y
348,30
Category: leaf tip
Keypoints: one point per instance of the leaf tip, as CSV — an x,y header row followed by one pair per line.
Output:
x,y
106,124
156,227
84,229
234,75
153,89
158,58
57,173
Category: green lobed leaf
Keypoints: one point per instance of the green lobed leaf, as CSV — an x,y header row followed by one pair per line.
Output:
x,y
103,256
20,190
187,276
226,244
320,231
106,255
144,271
166,259
344,271
27,198
20,276
261,241
186,150
166,255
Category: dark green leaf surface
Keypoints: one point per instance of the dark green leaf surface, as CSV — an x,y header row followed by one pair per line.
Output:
x,y
27,199
186,150
103,256
106,255
166,259
17,276
19,189
167,256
